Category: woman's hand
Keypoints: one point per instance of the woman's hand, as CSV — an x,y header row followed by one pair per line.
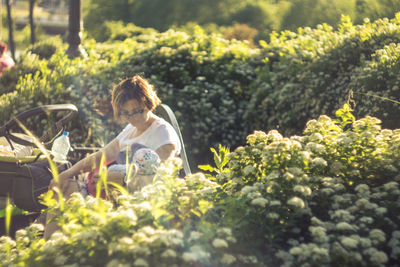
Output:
x,y
63,181
66,186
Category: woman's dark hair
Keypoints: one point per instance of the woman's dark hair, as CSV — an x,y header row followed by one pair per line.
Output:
x,y
137,88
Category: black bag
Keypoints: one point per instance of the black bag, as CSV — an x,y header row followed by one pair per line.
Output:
x,y
26,182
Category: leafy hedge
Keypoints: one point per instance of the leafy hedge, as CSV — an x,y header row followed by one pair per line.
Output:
x,y
221,90
327,198
312,72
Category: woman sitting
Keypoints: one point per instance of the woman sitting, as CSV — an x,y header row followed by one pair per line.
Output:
x,y
133,102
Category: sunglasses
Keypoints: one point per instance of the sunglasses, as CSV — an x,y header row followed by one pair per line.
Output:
x,y
128,114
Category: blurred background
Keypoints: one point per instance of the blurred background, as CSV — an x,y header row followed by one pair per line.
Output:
x,y
251,20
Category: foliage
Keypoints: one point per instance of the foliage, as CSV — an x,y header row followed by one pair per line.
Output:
x,y
45,49
150,14
153,227
21,36
376,9
311,13
326,198
240,32
119,31
221,90
311,71
329,197
262,15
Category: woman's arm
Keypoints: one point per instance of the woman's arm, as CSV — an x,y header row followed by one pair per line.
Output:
x,y
91,162
166,151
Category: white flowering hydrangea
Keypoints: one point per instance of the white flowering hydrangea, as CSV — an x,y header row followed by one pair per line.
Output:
x,y
377,236
319,162
319,234
296,202
349,243
220,243
303,190
228,259
262,202
314,147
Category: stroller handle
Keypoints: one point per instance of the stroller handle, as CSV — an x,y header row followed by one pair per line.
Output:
x,y
59,125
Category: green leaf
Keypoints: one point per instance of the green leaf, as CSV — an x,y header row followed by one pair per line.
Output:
x,y
158,212
206,168
204,205
217,158
195,212
48,199
14,211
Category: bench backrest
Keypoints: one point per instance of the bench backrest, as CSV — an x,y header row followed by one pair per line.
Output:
x,y
167,114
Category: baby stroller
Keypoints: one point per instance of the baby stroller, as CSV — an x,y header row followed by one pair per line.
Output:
x,y
24,170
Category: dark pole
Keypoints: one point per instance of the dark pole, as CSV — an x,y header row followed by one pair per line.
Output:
x,y
74,27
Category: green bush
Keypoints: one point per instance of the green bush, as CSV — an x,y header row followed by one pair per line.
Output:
x,y
240,32
221,90
119,31
326,198
45,49
312,72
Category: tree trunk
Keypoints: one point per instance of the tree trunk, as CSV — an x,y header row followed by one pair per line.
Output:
x,y
31,22
10,30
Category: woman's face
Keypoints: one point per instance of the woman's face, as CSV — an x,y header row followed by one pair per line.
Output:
x,y
134,112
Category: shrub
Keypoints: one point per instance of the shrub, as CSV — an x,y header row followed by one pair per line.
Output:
x,y
241,32
45,49
326,198
119,31
26,64
329,197
313,71
154,227
221,90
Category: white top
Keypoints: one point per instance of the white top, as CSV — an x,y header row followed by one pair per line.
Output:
x,y
158,134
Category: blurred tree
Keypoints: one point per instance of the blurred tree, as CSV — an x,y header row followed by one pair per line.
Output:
x,y
263,15
96,12
160,14
374,9
390,8
312,12
252,15
240,32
